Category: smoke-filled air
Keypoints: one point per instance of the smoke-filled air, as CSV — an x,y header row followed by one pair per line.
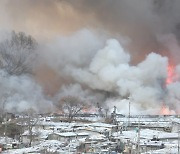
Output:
x,y
109,53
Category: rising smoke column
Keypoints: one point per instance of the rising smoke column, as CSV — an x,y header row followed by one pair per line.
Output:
x,y
110,71
148,25
106,74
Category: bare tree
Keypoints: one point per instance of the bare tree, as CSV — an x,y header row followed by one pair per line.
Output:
x,y
29,120
71,106
17,53
32,121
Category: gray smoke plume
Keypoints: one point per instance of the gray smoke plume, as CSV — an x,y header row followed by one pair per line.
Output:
x,y
145,22
77,52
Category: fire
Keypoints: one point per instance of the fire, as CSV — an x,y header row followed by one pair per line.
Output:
x,y
166,111
170,76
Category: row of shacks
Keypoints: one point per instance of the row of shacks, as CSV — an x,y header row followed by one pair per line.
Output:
x,y
92,137
97,137
87,135
9,144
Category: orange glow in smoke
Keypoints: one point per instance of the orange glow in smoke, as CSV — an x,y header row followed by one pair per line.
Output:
x,y
85,110
165,110
170,70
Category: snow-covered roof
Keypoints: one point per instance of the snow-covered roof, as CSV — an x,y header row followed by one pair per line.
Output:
x,y
97,137
4,140
71,134
48,144
26,133
83,134
67,134
101,125
147,133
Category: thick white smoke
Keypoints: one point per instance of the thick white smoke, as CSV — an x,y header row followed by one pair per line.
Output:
x,y
110,70
87,95
99,71
21,93
83,64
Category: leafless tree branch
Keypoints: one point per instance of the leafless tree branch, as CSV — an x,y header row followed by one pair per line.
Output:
x,y
17,53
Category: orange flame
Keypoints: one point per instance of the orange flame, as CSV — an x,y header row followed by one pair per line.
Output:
x,y
166,111
170,76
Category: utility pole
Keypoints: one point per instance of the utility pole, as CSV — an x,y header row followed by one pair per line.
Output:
x,y
5,127
178,140
138,150
129,113
114,115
